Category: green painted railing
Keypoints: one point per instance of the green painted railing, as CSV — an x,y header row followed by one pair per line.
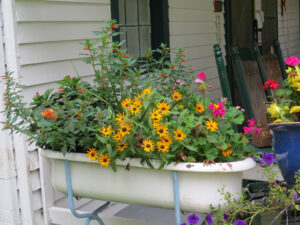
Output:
x,y
222,72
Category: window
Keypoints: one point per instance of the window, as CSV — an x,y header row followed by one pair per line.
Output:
x,y
143,24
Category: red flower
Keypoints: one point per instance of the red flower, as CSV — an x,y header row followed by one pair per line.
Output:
x,y
271,84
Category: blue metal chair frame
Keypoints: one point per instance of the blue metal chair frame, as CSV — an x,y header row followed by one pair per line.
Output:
x,y
94,214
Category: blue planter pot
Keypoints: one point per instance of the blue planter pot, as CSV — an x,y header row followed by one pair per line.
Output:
x,y
286,144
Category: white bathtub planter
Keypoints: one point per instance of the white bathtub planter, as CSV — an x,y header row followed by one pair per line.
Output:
x,y
198,184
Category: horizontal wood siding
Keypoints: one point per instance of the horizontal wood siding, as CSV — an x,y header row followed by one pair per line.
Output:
x,y
196,28
289,29
49,33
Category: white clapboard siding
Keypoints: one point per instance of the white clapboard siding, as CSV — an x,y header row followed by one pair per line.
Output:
x,y
288,29
49,33
196,28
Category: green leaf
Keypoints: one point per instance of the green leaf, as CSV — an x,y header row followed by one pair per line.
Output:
x,y
149,163
297,207
113,166
191,147
211,139
211,153
109,150
64,150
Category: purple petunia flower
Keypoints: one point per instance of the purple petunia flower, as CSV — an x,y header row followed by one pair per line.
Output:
x,y
277,182
225,217
267,158
295,196
183,224
240,222
209,219
193,219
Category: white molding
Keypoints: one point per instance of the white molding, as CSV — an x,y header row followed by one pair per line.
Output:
x,y
46,187
9,205
22,167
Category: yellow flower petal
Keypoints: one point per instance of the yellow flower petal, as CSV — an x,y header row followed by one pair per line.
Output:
x,y
295,109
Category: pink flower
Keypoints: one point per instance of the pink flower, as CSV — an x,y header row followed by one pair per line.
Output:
x,y
201,75
199,81
292,61
224,100
180,82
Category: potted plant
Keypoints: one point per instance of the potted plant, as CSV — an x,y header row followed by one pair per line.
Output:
x,y
139,113
263,203
284,111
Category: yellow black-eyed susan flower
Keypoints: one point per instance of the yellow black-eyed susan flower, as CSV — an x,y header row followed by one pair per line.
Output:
x,y
162,146
199,108
118,137
176,96
156,116
121,147
161,130
106,130
92,154
121,118
179,135
135,109
104,160
125,129
163,107
167,139
148,145
126,103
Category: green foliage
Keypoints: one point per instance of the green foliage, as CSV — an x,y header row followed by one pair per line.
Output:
x,y
278,199
129,102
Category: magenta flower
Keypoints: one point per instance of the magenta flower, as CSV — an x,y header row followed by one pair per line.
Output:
x,y
217,110
247,130
183,224
201,76
209,219
193,219
292,61
240,222
251,122
257,131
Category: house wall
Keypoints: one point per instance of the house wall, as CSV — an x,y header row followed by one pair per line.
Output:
x,y
195,27
48,36
289,29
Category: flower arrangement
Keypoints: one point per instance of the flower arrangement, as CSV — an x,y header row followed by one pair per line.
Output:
x,y
286,102
136,107
278,199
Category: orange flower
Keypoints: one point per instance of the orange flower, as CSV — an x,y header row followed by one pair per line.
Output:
x,y
49,114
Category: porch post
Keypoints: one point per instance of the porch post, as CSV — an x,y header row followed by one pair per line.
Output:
x,y
19,149
9,206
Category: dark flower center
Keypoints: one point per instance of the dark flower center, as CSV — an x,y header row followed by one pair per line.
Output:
x,y
148,146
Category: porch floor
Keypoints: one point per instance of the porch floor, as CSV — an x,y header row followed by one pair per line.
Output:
x,y
147,213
